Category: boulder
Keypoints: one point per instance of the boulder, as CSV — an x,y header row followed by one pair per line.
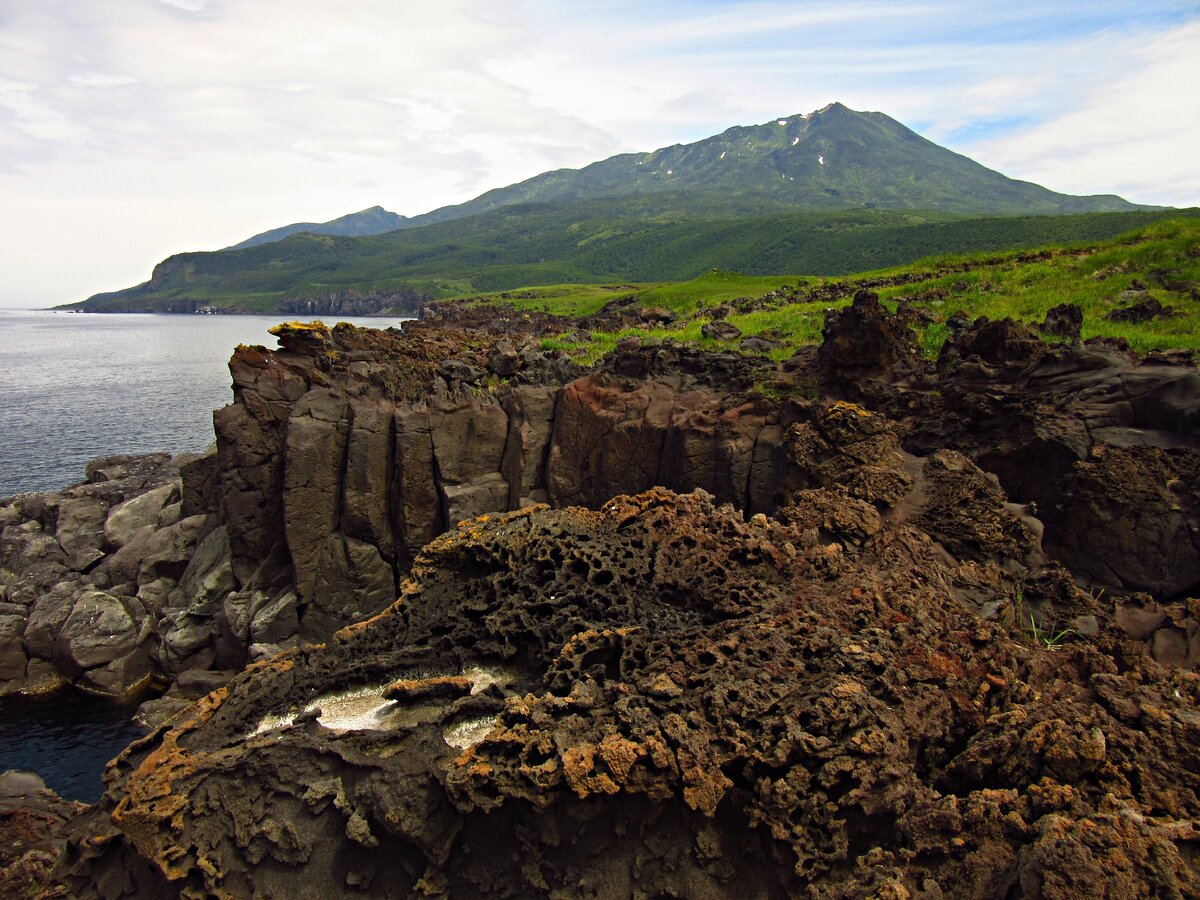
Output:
x,y
128,518
103,643
656,315
275,621
124,566
504,359
720,330
80,531
169,550
47,617
1064,320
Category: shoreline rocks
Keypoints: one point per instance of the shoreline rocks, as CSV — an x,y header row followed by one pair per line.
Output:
x,y
899,546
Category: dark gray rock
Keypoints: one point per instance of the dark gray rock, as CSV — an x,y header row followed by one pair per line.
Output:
x,y
80,531
720,330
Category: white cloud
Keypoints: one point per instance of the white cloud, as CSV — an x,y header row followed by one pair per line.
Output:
x,y
186,5
1134,132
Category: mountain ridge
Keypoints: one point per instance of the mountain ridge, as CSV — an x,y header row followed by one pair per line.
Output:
x,y
833,163
812,145
373,220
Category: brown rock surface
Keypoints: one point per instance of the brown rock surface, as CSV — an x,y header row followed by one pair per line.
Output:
x,y
698,705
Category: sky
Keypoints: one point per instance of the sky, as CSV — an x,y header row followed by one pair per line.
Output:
x,y
133,129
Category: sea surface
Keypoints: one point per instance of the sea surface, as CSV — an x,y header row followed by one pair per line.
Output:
x,y
66,738
75,386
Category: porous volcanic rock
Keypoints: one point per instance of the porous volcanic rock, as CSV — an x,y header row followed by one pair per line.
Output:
x,y
31,816
863,342
680,702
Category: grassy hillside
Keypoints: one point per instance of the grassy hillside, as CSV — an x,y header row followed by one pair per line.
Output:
x,y
641,239
375,220
1159,261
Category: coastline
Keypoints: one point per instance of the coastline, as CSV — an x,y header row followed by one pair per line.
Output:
x,y
355,466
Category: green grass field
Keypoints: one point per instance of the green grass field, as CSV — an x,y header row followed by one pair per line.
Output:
x,y
1162,258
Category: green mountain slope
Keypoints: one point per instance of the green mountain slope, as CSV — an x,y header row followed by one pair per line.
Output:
x,y
834,158
826,193
593,242
375,220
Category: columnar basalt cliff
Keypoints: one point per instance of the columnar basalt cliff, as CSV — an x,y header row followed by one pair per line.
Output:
x,y
347,450
804,639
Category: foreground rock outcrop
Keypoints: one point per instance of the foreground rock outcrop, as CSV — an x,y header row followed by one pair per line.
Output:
x,y
682,624
662,698
347,450
31,820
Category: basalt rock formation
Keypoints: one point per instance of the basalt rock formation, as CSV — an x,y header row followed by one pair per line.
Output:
x,y
661,698
681,624
86,572
347,450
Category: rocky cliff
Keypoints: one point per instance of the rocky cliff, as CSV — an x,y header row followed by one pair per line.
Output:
x,y
825,652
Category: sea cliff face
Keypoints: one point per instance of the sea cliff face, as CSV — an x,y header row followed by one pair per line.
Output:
x,y
803,639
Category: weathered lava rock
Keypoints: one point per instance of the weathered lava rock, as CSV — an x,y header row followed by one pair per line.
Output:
x,y
1064,320
1142,309
696,705
864,341
31,816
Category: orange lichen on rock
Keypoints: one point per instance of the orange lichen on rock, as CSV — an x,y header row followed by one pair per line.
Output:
x,y
151,814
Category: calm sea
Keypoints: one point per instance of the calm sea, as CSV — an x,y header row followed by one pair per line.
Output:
x,y
75,386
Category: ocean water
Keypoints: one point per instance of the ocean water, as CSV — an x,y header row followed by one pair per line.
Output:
x,y
74,387
66,738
